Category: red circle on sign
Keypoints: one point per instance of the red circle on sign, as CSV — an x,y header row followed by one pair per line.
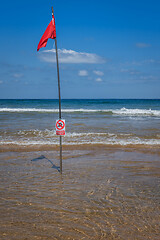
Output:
x,y
60,125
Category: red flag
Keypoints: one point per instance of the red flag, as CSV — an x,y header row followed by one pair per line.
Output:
x,y
49,33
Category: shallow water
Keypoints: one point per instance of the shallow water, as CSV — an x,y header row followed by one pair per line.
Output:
x,y
28,124
102,194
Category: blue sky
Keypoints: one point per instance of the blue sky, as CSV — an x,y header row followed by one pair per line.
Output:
x,y
107,49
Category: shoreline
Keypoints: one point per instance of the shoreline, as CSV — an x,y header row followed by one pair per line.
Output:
x,y
96,147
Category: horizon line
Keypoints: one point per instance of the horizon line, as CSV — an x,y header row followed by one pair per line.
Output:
x,y
80,99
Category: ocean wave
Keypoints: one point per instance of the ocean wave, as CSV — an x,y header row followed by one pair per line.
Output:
x,y
49,137
137,112
122,111
52,134
121,142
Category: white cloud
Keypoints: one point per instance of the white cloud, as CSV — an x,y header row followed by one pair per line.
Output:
x,y
17,75
142,45
1,82
152,61
83,73
147,61
98,73
149,78
130,71
98,79
70,56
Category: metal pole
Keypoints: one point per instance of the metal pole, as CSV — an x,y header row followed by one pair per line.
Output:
x,y
59,90
59,93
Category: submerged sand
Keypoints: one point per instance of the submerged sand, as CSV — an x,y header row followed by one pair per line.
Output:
x,y
102,194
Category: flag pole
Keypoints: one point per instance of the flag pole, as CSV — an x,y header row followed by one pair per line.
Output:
x,y
59,93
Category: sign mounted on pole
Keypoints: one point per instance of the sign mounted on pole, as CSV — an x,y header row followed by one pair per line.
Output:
x,y
60,127
50,32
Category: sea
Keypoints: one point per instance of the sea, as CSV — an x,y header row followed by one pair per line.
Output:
x,y
109,186
91,122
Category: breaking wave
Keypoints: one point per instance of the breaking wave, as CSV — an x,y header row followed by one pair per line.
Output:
x,y
49,138
122,111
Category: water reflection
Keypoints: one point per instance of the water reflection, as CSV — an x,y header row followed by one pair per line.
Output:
x,y
103,195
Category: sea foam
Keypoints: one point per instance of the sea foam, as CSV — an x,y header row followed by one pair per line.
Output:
x,y
122,111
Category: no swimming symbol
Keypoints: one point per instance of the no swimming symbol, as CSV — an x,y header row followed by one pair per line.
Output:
x,y
60,127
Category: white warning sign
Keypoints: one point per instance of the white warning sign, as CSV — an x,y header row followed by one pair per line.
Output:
x,y
60,127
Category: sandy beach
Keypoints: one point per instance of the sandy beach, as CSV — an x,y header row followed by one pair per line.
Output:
x,y
102,194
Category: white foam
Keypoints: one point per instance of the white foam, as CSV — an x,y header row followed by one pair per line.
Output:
x,y
122,142
122,111
137,112
52,133
46,110
22,110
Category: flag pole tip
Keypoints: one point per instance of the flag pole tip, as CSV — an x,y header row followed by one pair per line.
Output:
x,y
52,10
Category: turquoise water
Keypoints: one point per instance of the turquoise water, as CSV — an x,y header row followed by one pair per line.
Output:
x,y
83,103
88,122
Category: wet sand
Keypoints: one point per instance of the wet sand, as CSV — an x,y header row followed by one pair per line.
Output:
x,y
102,194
